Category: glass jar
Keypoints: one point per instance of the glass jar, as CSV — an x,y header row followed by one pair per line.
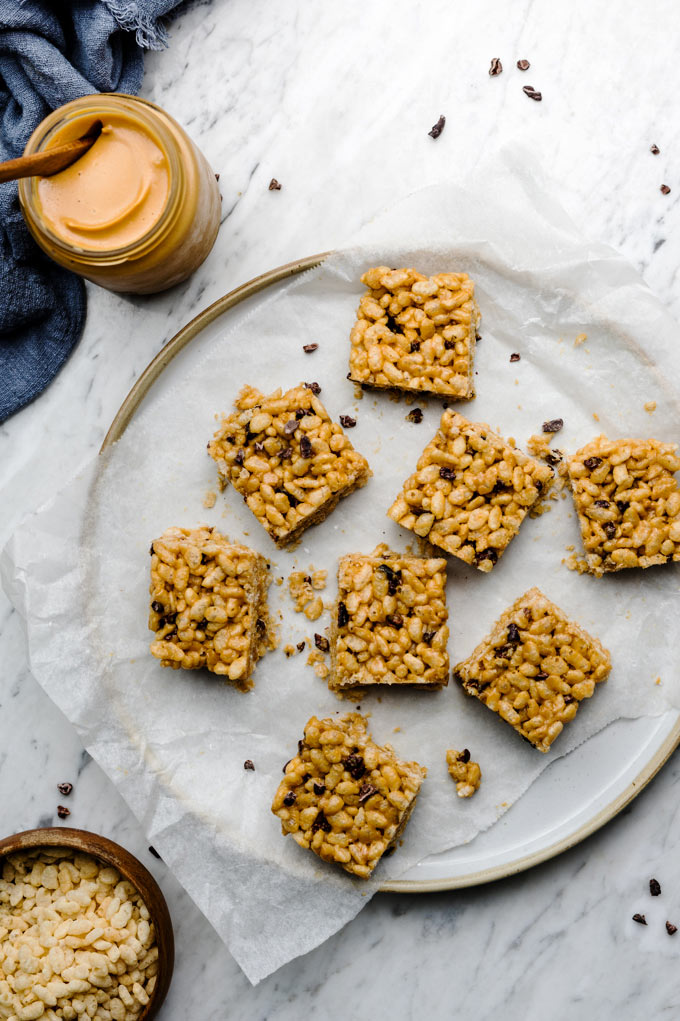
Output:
x,y
183,224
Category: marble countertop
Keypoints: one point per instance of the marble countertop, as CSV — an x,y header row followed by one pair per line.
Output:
x,y
336,102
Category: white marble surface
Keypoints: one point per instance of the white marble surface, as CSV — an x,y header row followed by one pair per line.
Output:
x,y
336,102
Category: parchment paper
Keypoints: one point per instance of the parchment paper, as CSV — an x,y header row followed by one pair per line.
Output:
x,y
175,742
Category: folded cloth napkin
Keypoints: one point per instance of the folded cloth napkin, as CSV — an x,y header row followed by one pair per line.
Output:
x,y
51,53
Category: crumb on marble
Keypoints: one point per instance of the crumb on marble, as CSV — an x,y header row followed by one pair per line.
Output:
x,y
581,339
209,499
650,407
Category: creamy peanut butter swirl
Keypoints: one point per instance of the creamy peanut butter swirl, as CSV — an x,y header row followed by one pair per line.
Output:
x,y
114,194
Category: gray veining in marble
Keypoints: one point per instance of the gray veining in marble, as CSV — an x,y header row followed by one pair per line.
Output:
x,y
335,100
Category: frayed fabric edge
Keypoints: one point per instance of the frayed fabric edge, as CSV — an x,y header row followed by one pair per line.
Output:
x,y
149,32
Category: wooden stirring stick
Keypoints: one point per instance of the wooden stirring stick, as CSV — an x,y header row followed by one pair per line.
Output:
x,y
50,161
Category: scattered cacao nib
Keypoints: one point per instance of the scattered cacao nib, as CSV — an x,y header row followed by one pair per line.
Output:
x,y
609,529
303,412
321,823
354,764
447,473
154,852
392,323
671,929
309,348
437,128
664,189
478,337
393,578
290,427
63,812
568,699
415,415
343,615
592,462
301,745
394,619
553,426
541,676
319,789
306,448
654,887
306,777
274,185
523,65
428,635
464,755
515,356
347,422
622,505
290,799
157,607
496,67
553,458
314,387
287,453
300,646
366,791
487,554
532,93
248,764
239,456
654,149
601,503
513,634
258,447
321,643
217,177
415,346
539,485
640,919
65,788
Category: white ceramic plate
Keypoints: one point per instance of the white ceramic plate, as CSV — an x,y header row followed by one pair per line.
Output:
x,y
574,796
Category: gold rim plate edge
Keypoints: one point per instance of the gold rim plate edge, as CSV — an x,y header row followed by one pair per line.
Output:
x,y
122,419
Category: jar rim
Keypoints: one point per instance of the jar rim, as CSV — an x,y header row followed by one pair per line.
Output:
x,y
98,104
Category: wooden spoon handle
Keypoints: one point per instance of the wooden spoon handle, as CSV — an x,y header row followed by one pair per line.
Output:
x,y
51,161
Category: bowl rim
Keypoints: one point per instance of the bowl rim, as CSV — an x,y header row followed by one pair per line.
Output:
x,y
132,869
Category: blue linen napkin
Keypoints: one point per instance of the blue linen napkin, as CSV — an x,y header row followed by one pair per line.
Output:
x,y
51,53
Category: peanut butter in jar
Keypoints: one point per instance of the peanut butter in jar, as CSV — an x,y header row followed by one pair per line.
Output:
x,y
139,212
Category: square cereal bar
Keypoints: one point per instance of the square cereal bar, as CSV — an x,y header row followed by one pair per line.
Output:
x,y
628,503
286,457
345,797
470,492
389,624
208,604
415,333
534,668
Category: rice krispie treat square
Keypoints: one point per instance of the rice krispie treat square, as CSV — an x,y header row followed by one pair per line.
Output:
x,y
389,625
628,502
208,604
534,668
470,492
286,457
344,797
415,333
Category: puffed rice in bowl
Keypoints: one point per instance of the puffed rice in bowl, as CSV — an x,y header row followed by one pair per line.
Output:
x,y
85,932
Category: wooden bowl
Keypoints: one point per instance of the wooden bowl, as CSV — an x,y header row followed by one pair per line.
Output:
x,y
131,869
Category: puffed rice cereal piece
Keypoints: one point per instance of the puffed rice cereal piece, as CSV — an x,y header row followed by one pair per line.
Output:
x,y
75,939
415,333
208,604
287,459
470,492
389,625
465,773
344,797
534,668
628,503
